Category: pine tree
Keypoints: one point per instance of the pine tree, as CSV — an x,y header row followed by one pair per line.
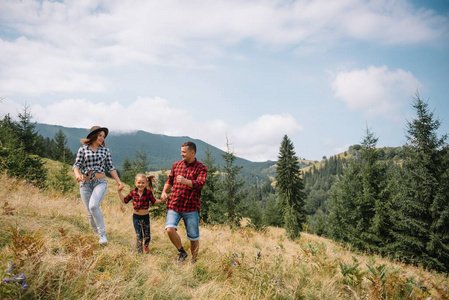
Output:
x,y
273,213
127,173
231,189
359,205
421,224
209,201
291,188
13,157
60,146
131,168
30,140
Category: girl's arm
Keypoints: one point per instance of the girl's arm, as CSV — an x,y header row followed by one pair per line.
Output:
x,y
159,201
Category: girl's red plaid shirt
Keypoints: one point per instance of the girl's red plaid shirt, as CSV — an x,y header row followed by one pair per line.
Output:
x,y
140,202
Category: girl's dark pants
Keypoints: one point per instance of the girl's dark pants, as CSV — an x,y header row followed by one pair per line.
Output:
x,y
142,228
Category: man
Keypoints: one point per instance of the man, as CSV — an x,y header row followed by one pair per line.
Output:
x,y
186,180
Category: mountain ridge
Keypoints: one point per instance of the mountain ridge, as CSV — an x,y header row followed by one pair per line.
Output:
x,y
161,150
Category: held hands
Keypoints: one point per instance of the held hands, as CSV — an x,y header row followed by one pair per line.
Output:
x,y
164,196
120,187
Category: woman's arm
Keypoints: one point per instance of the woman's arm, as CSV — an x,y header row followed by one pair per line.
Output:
x,y
78,175
117,179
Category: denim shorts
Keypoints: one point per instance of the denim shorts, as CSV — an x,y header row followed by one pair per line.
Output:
x,y
191,222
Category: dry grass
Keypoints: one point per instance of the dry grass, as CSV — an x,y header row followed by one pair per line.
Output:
x,y
48,239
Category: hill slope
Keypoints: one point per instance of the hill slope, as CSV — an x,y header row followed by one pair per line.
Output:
x,y
49,240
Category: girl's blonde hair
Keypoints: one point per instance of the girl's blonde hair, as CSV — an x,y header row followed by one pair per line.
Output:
x,y
150,179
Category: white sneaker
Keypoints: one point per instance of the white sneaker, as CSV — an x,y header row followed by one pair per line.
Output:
x,y
103,239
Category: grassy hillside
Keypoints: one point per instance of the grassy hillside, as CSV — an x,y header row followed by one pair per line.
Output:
x,y
47,238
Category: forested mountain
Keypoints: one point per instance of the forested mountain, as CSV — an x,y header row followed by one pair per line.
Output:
x,y
161,150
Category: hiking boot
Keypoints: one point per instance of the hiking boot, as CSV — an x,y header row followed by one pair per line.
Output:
x,y
182,255
103,239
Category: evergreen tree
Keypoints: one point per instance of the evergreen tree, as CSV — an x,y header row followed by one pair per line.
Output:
x,y
420,228
254,213
317,223
209,201
160,210
359,206
140,163
28,137
231,189
127,171
63,182
438,245
291,188
14,159
9,132
131,168
341,205
273,213
60,150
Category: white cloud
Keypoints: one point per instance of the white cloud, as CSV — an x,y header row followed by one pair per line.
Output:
x,y
375,90
257,140
260,139
70,46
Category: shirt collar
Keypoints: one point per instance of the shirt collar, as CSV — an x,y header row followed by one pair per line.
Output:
x,y
190,164
137,190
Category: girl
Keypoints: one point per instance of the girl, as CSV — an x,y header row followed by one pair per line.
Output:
x,y
141,197
92,160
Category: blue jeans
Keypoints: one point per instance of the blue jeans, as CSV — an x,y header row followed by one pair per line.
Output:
x,y
142,228
191,222
93,192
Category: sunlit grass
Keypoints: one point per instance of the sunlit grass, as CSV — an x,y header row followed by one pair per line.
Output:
x,y
48,239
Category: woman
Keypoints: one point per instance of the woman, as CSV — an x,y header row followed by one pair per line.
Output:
x,y
92,160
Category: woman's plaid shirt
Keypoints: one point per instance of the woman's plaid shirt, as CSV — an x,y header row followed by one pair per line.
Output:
x,y
182,197
98,161
140,202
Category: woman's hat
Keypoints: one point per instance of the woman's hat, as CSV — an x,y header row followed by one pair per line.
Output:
x,y
96,129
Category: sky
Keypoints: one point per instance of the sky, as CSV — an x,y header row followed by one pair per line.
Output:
x,y
237,73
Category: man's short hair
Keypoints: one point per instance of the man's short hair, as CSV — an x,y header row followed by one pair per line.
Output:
x,y
190,145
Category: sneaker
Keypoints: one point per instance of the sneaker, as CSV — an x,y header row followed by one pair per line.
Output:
x,y
103,239
182,255
145,248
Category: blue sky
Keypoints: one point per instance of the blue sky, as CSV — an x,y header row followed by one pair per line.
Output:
x,y
247,71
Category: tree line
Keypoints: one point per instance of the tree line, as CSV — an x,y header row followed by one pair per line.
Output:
x,y
394,202
22,149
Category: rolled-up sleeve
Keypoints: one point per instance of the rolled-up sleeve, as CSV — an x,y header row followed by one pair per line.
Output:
x,y
79,160
128,198
171,176
200,180
108,161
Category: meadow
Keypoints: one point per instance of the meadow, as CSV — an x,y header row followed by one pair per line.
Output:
x,y
48,251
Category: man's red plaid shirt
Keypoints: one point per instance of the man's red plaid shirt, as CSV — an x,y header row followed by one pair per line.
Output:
x,y
182,197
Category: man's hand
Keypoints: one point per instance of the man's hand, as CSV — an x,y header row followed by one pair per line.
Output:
x,y
180,179
164,196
